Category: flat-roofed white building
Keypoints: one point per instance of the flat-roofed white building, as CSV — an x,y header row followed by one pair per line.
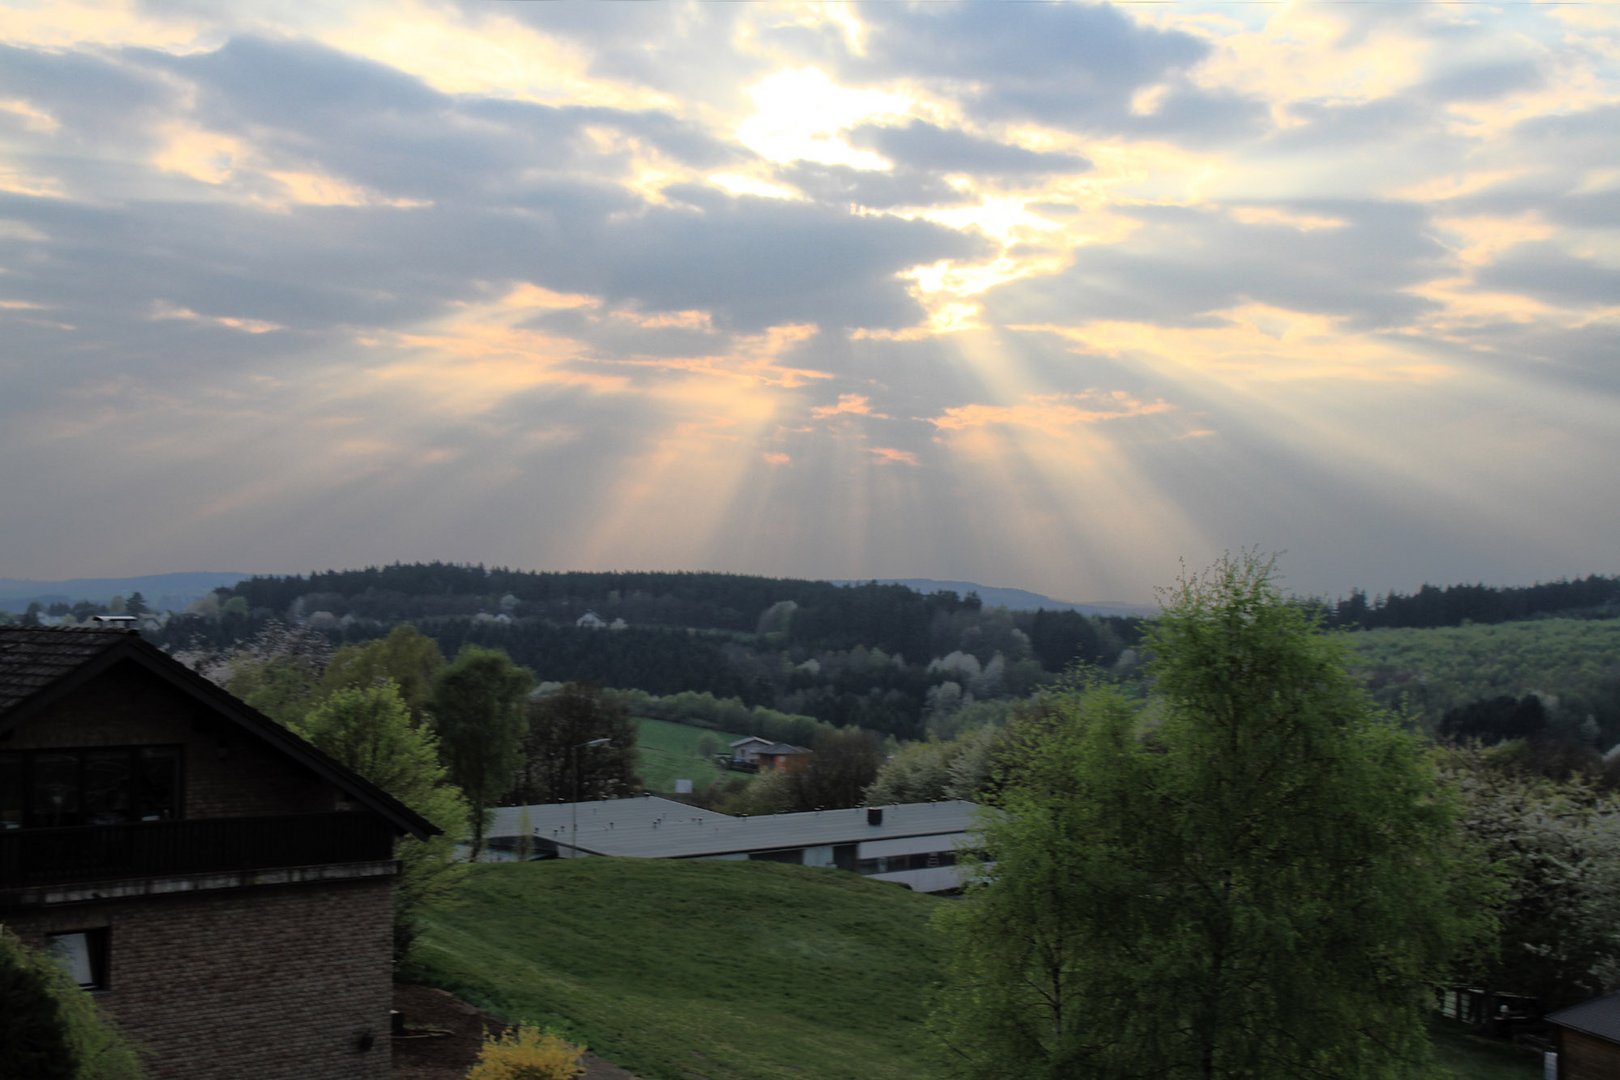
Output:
x,y
911,844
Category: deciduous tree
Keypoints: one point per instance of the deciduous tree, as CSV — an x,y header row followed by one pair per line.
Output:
x,y
369,729
478,709
556,767
407,657
1557,845
1257,875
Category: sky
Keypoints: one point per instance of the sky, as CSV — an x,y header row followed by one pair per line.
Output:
x,y
1050,296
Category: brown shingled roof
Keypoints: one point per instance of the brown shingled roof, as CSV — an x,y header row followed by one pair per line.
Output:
x,y
32,659
40,664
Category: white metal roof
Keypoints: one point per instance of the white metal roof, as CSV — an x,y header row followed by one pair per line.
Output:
x,y
652,828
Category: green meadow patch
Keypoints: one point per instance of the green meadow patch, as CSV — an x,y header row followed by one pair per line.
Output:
x,y
666,752
705,970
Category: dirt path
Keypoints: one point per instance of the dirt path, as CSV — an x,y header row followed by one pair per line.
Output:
x,y
449,1056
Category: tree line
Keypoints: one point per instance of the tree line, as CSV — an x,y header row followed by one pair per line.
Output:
x,y
1592,597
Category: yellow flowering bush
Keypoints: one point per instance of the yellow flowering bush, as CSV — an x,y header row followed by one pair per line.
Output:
x,y
526,1053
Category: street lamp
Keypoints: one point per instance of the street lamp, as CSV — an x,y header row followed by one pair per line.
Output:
x,y
573,807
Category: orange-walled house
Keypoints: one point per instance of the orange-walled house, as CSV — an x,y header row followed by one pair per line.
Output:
x,y
223,887
767,754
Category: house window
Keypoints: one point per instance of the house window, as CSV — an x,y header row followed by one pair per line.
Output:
x,y
84,954
102,786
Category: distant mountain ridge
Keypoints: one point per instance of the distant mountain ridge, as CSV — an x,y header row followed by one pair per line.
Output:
x,y
1011,599
162,592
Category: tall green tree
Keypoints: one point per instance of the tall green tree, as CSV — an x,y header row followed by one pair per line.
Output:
x,y
370,730
406,657
557,767
1256,875
478,709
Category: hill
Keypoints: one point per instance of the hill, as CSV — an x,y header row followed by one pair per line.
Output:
x,y
1011,599
163,592
1575,663
696,968
707,970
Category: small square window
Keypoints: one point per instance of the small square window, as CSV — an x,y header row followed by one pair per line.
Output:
x,y
84,954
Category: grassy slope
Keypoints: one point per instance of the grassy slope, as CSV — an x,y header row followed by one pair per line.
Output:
x,y
716,970
697,970
667,751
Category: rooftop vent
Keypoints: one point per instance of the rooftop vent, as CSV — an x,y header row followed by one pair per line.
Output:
x,y
874,815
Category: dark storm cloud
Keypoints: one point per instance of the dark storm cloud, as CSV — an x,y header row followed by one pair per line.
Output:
x,y
923,146
1187,262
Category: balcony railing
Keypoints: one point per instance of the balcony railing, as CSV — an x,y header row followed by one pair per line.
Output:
x,y
30,857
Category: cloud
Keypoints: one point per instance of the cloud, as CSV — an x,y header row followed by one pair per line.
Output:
x,y
928,148
340,283
848,405
888,455
1071,66
1052,414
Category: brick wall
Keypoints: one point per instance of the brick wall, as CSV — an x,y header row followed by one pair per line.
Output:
x,y
250,984
227,773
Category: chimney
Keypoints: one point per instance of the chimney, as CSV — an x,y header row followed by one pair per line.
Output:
x,y
874,815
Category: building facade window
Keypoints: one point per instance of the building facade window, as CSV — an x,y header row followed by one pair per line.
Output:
x,y
99,786
83,953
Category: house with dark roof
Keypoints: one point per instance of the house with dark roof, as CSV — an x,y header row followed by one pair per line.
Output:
x,y
222,886
1586,1038
759,753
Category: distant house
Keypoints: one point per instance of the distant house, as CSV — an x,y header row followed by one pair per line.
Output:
x,y
755,752
910,844
1586,1038
590,621
223,887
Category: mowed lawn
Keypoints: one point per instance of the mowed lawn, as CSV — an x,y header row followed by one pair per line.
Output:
x,y
666,752
708,970
697,970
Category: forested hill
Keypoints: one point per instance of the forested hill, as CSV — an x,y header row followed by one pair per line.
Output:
x,y
881,656
1592,597
890,617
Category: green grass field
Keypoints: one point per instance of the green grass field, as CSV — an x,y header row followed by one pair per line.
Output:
x,y
707,970
697,970
666,752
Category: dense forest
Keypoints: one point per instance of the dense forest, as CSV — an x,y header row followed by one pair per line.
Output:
x,y
1591,597
883,657
1460,660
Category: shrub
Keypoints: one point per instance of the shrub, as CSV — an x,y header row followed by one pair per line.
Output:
x,y
49,1028
526,1053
